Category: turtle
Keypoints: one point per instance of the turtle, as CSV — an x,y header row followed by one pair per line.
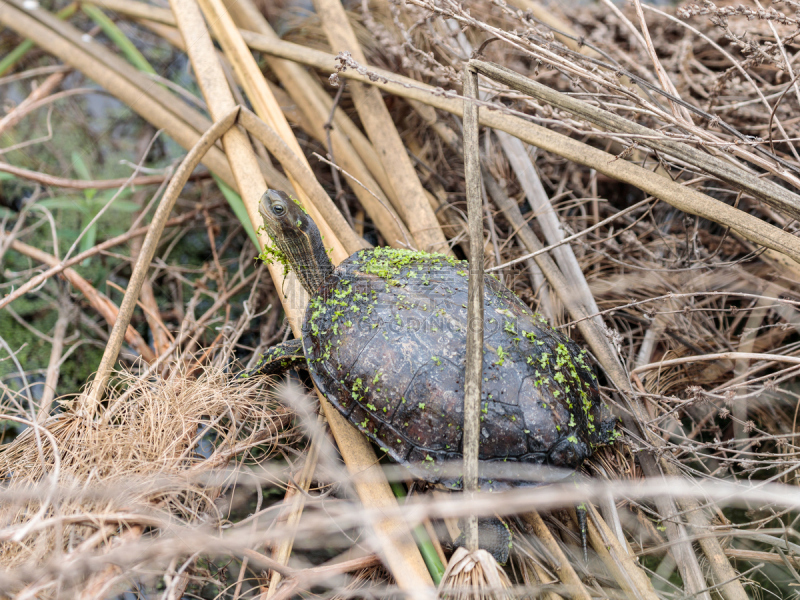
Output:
x,y
384,340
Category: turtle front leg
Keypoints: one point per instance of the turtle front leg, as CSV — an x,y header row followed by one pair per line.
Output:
x,y
279,359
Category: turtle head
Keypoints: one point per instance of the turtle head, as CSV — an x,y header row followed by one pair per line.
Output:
x,y
283,217
296,235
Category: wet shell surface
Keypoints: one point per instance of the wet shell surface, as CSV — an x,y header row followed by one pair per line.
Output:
x,y
385,339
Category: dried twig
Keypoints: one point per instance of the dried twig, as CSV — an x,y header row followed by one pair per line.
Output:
x,y
100,302
474,360
94,395
91,184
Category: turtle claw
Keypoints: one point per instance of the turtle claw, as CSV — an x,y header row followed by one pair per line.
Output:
x,y
580,511
278,359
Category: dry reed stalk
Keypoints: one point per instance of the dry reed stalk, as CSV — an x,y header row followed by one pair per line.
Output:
x,y
414,206
679,110
725,576
685,199
305,579
473,375
548,220
471,570
310,98
562,30
382,186
397,546
65,315
773,194
294,502
115,83
152,313
618,559
757,556
396,543
265,105
351,148
139,10
562,567
779,262
542,577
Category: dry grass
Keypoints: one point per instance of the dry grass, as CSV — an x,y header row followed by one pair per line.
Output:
x,y
161,462
177,487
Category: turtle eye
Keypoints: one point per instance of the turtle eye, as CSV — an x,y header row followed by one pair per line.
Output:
x,y
279,209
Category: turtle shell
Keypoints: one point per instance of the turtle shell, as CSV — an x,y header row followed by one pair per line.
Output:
x,y
385,339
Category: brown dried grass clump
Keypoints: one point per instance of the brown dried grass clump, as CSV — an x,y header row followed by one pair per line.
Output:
x,y
73,485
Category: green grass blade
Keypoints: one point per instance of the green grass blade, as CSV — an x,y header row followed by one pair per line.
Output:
x,y
87,242
15,55
424,543
80,166
10,60
90,237
237,205
62,202
119,39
